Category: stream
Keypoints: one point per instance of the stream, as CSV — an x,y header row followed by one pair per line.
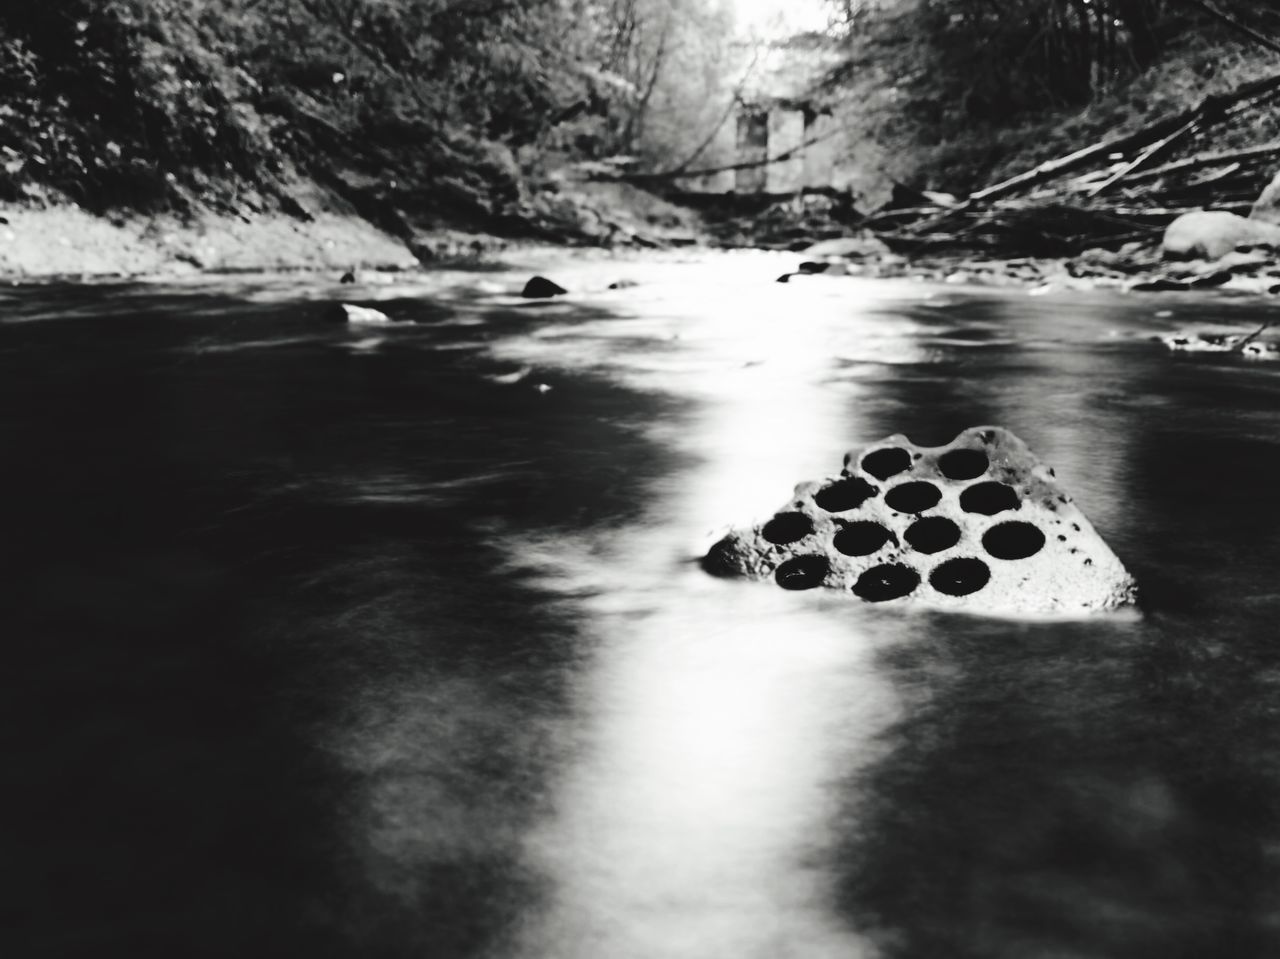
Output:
x,y
391,640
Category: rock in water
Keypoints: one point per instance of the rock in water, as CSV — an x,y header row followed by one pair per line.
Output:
x,y
540,288
1213,234
864,245
364,314
979,525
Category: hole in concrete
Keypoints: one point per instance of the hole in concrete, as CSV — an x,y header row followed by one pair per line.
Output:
x,y
844,494
913,497
988,498
1013,540
886,462
960,577
932,534
963,464
802,572
889,581
787,528
861,538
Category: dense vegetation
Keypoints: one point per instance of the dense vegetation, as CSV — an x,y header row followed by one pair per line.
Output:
x,y
983,87
460,112
418,111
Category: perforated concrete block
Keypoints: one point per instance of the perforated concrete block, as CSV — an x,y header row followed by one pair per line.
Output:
x,y
979,524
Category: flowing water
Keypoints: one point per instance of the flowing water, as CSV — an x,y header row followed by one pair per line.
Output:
x,y
390,641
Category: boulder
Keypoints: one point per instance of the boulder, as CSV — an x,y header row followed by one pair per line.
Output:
x,y
861,246
539,287
979,525
1212,234
1266,208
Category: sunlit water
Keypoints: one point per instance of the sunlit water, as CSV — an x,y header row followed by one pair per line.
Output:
x,y
389,641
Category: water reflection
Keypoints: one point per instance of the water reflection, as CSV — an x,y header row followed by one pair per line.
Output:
x,y
716,717
693,819
364,646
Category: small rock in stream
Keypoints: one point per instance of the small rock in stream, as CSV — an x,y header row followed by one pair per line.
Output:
x,y
539,287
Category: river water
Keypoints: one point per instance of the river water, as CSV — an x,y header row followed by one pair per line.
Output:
x,y
390,641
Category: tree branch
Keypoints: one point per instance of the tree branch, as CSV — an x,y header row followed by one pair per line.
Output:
x,y
1236,25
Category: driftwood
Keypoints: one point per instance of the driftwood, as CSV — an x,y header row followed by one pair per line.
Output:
x,y
1146,156
1202,160
1207,111
668,176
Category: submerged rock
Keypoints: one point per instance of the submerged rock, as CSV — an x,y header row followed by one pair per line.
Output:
x,y
539,287
979,525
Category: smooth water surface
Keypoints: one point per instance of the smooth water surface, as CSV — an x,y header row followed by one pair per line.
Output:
x,y
390,641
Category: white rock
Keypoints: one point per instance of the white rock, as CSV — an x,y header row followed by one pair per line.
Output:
x,y
1215,233
365,314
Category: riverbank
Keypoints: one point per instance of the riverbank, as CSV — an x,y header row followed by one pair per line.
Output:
x,y
60,239
67,241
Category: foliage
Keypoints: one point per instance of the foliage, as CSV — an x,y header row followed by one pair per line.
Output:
x,y
960,92
107,101
432,108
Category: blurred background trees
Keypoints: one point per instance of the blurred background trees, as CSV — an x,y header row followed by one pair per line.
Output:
x,y
440,110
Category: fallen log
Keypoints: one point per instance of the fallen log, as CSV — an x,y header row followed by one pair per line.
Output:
x,y
1145,157
1207,111
1207,160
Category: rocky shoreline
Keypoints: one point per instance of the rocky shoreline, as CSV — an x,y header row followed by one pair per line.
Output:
x,y
1199,251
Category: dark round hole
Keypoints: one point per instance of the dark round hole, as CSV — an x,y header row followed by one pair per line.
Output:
x,y
913,497
862,538
886,462
787,528
963,464
988,498
802,572
1013,540
932,534
888,581
960,577
844,494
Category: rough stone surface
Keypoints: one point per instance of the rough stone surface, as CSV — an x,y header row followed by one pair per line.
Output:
x,y
1213,234
979,525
